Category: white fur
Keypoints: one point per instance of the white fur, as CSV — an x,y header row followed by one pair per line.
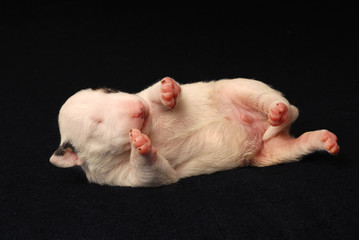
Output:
x,y
214,126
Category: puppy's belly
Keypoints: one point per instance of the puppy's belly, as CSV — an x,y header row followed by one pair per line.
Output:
x,y
254,122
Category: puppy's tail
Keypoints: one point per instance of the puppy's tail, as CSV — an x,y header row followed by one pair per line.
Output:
x,y
272,131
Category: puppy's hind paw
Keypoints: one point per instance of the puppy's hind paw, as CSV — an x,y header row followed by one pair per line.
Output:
x,y
278,114
329,141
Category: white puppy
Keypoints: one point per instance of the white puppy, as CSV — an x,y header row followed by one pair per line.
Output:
x,y
154,138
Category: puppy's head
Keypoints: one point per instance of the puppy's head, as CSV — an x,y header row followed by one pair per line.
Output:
x,y
95,124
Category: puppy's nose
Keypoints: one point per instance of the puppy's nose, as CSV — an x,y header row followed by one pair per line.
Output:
x,y
140,113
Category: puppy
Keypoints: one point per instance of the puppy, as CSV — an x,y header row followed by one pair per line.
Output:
x,y
170,131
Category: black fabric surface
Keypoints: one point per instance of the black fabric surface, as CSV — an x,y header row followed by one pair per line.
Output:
x,y
50,51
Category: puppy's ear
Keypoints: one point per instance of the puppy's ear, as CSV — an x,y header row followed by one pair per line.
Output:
x,y
65,156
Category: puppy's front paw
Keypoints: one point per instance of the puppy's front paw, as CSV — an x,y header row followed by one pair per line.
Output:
x,y
141,142
169,92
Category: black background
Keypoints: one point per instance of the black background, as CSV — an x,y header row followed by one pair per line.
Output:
x,y
51,50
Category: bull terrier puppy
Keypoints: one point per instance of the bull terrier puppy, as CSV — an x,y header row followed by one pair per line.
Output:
x,y
170,131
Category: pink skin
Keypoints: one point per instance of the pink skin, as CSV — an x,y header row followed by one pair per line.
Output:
x,y
141,142
319,140
278,114
141,113
329,141
169,92
139,116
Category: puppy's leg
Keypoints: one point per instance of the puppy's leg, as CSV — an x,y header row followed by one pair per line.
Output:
x,y
284,148
148,168
256,96
165,93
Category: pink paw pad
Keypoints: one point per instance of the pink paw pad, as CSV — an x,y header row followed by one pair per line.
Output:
x,y
169,92
141,142
278,114
330,142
